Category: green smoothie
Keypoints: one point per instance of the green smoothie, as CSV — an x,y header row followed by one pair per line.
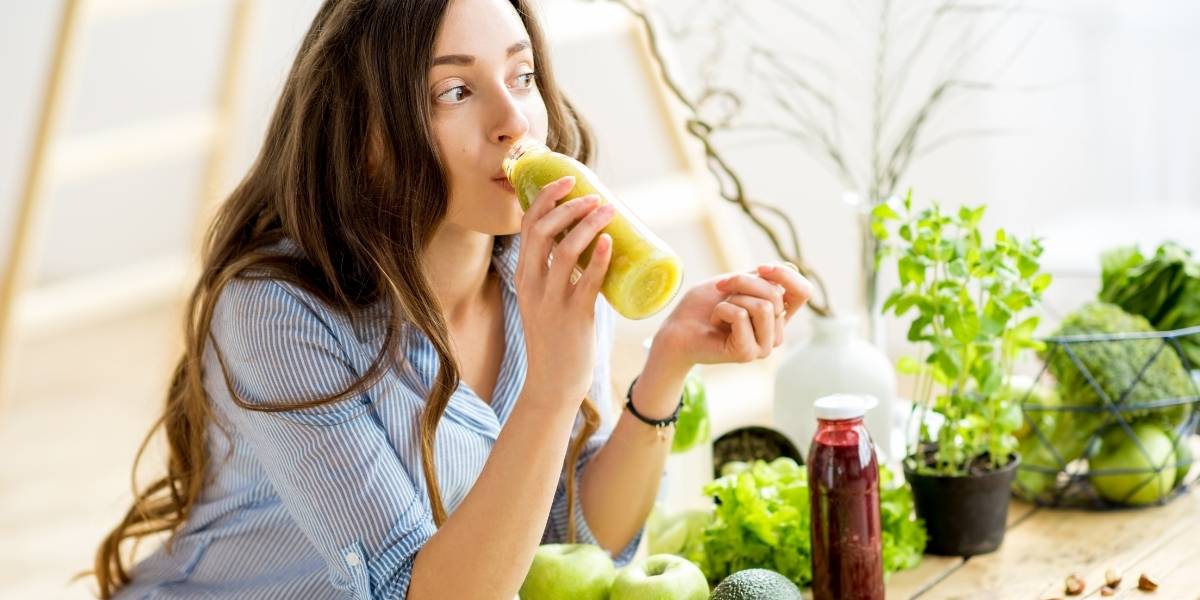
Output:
x,y
644,273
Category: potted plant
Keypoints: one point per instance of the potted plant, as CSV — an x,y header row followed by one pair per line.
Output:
x,y
968,294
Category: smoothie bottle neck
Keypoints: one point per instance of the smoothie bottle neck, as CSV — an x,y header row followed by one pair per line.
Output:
x,y
519,150
841,432
839,424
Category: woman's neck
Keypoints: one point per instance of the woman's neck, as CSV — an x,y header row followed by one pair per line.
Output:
x,y
458,262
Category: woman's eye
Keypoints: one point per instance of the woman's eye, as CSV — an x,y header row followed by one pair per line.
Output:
x,y
525,80
454,94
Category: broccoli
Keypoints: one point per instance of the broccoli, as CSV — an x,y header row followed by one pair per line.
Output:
x,y
1114,366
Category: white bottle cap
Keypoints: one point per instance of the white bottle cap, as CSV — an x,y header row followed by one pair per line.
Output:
x,y
840,407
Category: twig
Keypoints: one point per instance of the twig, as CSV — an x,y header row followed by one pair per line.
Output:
x,y
720,168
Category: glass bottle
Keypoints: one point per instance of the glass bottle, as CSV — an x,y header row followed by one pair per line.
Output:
x,y
843,483
644,274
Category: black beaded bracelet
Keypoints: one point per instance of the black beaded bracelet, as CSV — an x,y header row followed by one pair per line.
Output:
x,y
659,424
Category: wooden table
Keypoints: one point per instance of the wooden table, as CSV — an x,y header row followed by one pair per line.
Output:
x,y
1043,546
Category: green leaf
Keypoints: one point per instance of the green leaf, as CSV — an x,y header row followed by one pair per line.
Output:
x,y
917,330
884,212
908,365
963,323
970,217
946,362
995,317
891,301
879,231
1027,266
1041,282
910,270
906,302
957,268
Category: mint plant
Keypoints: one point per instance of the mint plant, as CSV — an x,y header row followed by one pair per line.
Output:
x,y
969,295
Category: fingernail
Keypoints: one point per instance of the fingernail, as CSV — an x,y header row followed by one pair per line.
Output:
x,y
766,268
569,179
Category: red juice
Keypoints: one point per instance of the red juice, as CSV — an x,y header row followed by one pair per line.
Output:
x,y
843,483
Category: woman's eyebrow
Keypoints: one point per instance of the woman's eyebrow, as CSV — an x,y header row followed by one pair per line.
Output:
x,y
467,60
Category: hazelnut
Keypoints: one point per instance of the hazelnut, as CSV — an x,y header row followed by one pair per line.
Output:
x,y
1146,583
1074,585
1112,579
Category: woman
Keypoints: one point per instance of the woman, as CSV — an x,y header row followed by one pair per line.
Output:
x,y
384,366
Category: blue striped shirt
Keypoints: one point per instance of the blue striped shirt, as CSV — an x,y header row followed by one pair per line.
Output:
x,y
330,502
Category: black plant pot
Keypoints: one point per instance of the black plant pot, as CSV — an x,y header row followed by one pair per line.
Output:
x,y
964,515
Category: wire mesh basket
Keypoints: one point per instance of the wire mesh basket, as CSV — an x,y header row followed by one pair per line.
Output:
x,y
1110,421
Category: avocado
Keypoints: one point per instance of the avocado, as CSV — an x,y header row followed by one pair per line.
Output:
x,y
756,584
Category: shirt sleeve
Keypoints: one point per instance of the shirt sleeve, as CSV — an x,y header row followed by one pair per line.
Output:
x,y
332,466
601,394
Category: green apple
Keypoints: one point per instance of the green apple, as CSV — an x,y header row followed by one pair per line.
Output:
x,y
1183,458
660,577
693,427
1143,485
577,571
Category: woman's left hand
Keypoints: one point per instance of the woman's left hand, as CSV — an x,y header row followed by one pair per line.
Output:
x,y
735,317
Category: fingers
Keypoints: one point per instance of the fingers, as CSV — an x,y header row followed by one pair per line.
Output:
x,y
535,244
567,251
796,289
741,344
593,276
767,328
751,285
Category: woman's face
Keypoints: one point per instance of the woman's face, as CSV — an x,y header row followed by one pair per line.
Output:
x,y
484,97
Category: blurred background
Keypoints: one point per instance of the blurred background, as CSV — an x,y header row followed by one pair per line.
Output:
x,y
124,122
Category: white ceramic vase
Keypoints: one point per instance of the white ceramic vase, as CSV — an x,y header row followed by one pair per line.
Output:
x,y
837,360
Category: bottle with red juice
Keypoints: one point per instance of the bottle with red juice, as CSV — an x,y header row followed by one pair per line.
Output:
x,y
843,483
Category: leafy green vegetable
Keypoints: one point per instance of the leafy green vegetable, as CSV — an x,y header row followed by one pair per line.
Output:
x,y
967,293
761,520
1127,373
1165,289
903,533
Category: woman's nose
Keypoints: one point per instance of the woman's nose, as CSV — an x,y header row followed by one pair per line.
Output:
x,y
512,124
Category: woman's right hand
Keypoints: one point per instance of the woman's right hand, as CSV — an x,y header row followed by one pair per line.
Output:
x,y
559,316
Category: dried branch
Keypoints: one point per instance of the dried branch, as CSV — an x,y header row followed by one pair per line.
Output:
x,y
730,184
800,88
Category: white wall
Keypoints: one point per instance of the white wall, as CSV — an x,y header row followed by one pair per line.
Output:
x,y
132,68
1103,151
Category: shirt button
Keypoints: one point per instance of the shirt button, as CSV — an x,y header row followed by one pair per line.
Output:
x,y
352,559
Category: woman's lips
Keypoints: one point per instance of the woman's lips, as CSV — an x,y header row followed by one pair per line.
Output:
x,y
504,183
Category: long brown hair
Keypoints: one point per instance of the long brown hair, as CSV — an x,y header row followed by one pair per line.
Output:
x,y
361,230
